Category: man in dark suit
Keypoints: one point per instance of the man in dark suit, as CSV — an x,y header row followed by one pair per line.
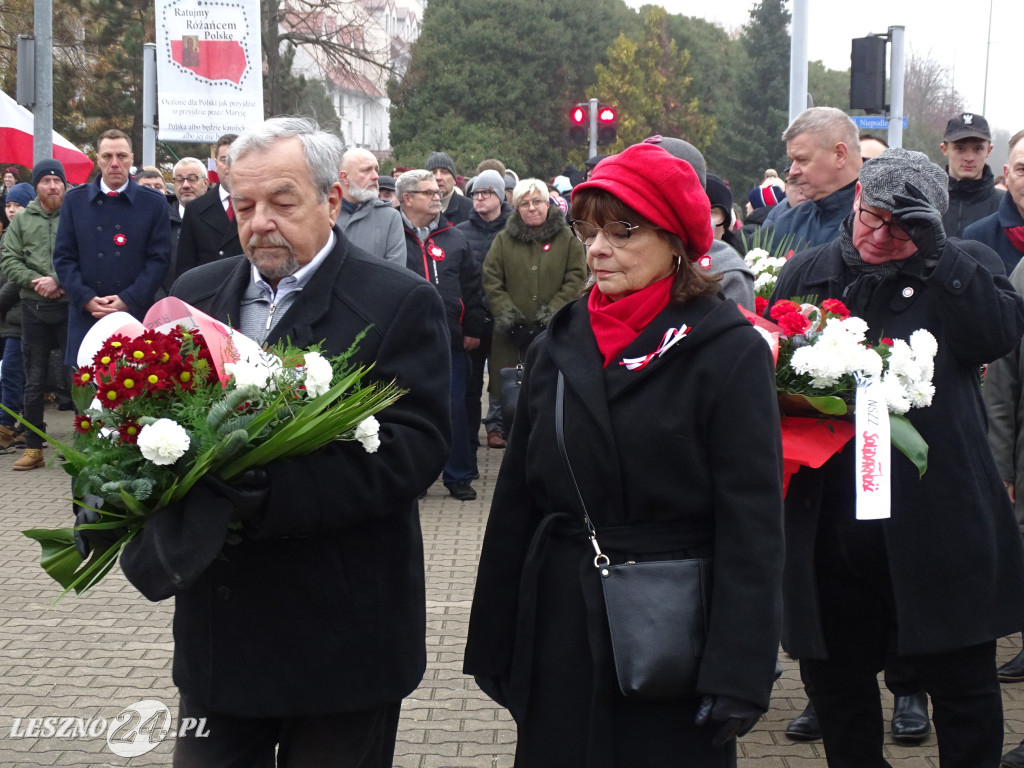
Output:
x,y
208,228
113,245
305,635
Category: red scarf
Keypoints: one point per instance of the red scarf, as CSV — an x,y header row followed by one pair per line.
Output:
x,y
616,324
1016,235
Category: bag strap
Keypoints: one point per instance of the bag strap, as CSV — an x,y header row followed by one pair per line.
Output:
x,y
600,559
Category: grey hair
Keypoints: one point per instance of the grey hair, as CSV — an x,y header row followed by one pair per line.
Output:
x,y
410,180
828,122
525,186
322,150
192,161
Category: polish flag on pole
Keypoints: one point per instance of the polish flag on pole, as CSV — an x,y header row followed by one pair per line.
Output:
x,y
16,129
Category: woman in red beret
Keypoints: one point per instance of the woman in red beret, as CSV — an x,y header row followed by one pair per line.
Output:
x,y
672,435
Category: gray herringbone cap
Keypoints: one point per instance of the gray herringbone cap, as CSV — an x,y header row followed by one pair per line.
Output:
x,y
889,173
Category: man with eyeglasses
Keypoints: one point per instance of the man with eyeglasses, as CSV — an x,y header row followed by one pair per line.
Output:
x,y
934,585
209,231
438,252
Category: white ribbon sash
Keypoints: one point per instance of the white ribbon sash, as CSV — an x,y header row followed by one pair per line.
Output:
x,y
873,466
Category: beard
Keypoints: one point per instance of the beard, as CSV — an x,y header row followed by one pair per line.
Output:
x,y
361,194
271,267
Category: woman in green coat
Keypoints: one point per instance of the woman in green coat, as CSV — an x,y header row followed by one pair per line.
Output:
x,y
534,266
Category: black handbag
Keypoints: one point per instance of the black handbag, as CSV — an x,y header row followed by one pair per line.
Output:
x,y
657,611
511,383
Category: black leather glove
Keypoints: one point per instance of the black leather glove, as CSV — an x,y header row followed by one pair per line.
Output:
x,y
921,220
733,717
88,540
247,495
494,687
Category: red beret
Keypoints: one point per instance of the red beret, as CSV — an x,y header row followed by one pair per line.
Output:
x,y
660,187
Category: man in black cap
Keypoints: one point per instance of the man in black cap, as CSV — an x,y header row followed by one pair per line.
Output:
x,y
454,206
386,190
967,144
27,261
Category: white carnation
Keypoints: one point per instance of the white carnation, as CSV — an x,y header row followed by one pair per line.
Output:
x,y
255,371
764,280
923,343
367,433
318,374
895,395
163,442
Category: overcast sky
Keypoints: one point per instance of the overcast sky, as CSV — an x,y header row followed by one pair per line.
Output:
x,y
954,34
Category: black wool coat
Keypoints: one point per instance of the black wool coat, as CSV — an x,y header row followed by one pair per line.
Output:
x,y
953,548
322,609
681,458
207,234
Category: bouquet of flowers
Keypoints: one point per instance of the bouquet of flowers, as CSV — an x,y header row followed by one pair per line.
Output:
x,y
766,257
823,355
161,406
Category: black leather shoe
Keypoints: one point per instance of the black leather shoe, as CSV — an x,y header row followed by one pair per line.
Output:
x,y
1013,670
804,727
910,723
462,491
1013,759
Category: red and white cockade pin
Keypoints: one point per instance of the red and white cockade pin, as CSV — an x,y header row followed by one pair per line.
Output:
x,y
120,239
672,335
705,262
547,247
436,252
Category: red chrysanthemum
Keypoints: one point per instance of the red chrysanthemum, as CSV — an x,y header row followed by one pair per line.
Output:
x,y
793,323
111,394
784,307
84,425
129,432
84,377
130,381
760,305
835,307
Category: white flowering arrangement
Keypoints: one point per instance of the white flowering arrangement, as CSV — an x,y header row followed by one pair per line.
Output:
x,y
766,255
823,352
159,410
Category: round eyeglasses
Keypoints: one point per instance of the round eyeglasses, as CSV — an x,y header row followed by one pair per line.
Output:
x,y
615,232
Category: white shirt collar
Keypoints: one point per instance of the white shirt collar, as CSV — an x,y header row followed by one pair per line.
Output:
x,y
296,281
107,190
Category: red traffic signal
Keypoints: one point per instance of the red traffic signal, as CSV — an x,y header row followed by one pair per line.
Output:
x,y
579,123
578,115
607,122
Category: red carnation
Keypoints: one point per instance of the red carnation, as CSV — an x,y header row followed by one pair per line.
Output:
x,y
784,307
887,341
835,307
760,305
793,323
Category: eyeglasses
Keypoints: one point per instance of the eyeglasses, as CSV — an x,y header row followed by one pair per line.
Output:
x,y
615,232
482,194
527,204
874,221
192,178
428,192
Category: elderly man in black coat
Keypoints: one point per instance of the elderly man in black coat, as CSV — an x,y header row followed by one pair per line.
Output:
x,y
941,579
305,635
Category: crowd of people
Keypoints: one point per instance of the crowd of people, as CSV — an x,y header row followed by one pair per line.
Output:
x,y
643,416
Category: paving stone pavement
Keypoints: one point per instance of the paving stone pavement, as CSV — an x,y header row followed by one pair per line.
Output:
x,y
92,656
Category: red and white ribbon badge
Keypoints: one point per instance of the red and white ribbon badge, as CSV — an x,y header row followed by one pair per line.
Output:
x,y
672,335
436,252
120,239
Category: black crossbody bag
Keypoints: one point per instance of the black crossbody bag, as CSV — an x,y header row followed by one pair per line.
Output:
x,y
657,611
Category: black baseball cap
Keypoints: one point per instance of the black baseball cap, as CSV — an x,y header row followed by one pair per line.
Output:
x,y
386,182
967,125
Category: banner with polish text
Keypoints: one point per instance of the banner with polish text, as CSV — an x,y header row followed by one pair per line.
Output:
x,y
209,66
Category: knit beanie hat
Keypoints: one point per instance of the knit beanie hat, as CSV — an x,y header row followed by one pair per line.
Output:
x,y
660,187
441,160
511,179
22,194
889,174
684,150
491,180
47,168
768,195
562,184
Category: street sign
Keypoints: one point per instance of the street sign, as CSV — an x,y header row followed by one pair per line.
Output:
x,y
874,122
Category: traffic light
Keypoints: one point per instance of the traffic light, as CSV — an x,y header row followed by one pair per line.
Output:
x,y
867,74
578,124
607,122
